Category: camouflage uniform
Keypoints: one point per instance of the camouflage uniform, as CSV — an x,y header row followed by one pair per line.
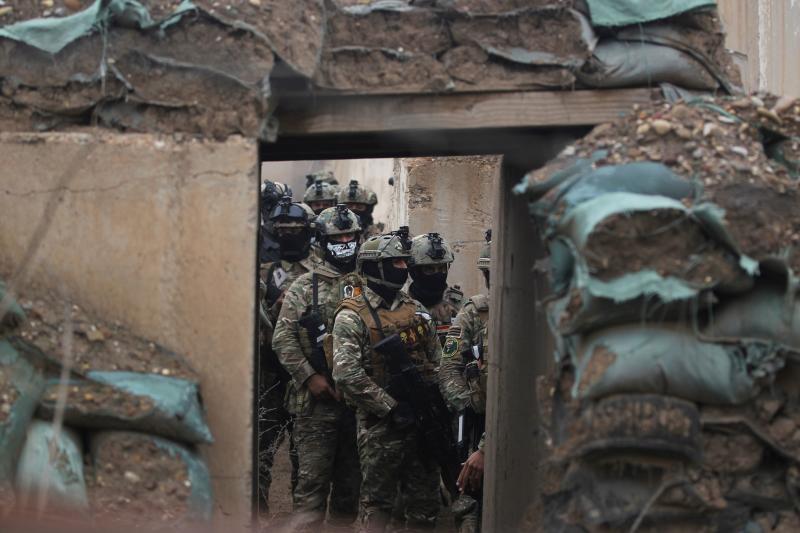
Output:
x,y
275,422
390,457
463,380
324,430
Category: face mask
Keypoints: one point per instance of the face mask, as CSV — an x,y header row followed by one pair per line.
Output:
x,y
428,288
294,247
393,276
342,255
342,250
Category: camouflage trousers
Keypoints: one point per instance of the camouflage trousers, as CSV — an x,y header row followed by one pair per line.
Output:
x,y
274,425
391,462
326,446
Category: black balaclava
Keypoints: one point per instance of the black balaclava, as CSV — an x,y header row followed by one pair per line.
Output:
x,y
366,217
428,289
391,274
294,246
341,255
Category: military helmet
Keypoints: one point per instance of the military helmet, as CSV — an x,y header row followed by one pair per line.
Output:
x,y
337,221
326,176
485,259
357,194
380,247
320,191
430,249
289,214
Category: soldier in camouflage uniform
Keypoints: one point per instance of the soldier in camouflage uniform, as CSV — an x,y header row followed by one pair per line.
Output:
x,y
291,224
271,194
324,427
431,258
388,439
462,379
320,196
362,202
326,176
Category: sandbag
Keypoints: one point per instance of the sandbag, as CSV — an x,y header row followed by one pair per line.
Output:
x,y
578,311
769,312
624,12
635,64
626,246
670,360
60,474
172,481
11,314
160,405
21,386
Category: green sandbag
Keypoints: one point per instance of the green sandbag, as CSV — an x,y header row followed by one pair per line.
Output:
x,y
578,312
670,361
61,475
21,386
155,404
577,225
614,13
769,312
121,453
11,314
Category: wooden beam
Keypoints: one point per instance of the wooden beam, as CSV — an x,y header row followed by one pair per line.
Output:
x,y
360,114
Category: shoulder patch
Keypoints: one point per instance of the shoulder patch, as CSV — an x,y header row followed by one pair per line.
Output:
x,y
450,347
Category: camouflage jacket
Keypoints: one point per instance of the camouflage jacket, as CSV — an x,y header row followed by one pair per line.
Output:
x,y
352,355
469,329
443,315
291,341
278,277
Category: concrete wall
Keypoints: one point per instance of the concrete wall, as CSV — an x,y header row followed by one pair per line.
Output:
x,y
160,236
453,196
767,34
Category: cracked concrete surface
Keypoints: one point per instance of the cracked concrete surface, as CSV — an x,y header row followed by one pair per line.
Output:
x,y
161,236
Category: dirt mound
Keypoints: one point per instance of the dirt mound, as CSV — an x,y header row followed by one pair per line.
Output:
x,y
96,344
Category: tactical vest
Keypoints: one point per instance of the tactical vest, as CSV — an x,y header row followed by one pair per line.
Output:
x,y
412,328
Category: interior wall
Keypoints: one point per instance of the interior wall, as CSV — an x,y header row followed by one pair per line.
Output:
x,y
453,196
161,236
767,34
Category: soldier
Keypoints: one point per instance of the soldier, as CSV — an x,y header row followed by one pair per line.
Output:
x,y
326,176
362,202
431,258
462,379
388,439
320,196
292,225
271,193
324,427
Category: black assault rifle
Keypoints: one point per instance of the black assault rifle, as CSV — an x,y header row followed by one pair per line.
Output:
x,y
430,412
315,328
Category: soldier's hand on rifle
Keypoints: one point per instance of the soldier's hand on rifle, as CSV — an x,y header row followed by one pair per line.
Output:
x,y
402,415
471,476
320,388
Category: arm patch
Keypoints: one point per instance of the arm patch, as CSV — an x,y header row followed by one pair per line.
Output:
x,y
450,347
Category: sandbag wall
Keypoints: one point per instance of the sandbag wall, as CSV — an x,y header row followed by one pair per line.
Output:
x,y
672,235
112,439
213,68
